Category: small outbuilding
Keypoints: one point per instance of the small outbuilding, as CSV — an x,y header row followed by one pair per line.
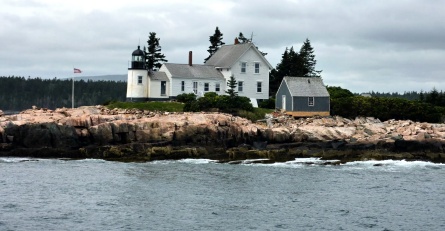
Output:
x,y
303,97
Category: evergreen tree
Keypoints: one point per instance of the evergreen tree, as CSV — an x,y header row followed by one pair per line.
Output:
x,y
153,55
232,86
294,64
242,39
308,60
215,43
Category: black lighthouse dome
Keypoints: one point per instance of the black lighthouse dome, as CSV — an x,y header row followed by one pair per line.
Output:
x,y
137,59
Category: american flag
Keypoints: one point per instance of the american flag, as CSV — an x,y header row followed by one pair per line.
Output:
x,y
77,70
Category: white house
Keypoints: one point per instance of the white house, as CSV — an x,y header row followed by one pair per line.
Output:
x,y
244,61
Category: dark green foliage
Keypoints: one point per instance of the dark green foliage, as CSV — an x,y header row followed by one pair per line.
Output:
x,y
232,86
223,103
186,97
211,94
242,39
256,114
433,97
268,103
338,92
386,108
307,59
18,93
294,64
215,43
153,55
410,95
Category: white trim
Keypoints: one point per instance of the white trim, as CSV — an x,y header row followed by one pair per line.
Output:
x,y
309,101
262,86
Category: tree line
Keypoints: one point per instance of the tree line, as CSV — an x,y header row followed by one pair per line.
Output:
x,y
431,108
19,93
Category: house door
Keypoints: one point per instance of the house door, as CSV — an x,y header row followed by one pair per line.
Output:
x,y
163,88
195,87
283,102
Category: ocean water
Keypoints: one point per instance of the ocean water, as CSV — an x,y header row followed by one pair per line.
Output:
x,y
56,194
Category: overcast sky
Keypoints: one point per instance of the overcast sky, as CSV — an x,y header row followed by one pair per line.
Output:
x,y
385,46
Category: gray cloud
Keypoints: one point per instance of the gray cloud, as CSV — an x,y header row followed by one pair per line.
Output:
x,y
360,45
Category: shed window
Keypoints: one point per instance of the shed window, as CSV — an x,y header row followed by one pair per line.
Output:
x,y
310,101
139,79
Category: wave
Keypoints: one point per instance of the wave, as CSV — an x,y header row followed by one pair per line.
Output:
x,y
393,164
187,161
16,159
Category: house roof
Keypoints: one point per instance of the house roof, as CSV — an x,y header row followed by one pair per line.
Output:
x,y
226,56
158,75
194,71
306,86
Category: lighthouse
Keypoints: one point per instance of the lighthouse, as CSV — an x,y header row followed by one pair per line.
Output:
x,y
137,81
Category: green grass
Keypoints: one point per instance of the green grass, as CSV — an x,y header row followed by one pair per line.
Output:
x,y
258,113
151,106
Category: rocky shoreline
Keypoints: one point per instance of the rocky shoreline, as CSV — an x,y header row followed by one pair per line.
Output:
x,y
137,135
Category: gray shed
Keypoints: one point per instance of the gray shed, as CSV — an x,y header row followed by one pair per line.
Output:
x,y
303,96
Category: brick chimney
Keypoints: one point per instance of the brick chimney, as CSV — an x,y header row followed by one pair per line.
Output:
x,y
236,41
190,58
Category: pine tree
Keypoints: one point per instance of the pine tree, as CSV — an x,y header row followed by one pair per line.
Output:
x,y
242,39
216,42
153,55
308,60
294,64
232,86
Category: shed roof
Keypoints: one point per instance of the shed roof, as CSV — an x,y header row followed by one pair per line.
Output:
x,y
306,86
194,71
226,56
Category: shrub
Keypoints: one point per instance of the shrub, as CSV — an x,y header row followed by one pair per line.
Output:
x,y
186,97
386,108
268,103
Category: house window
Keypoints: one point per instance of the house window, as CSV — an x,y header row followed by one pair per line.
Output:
x,y
139,79
163,87
217,87
195,87
259,87
257,68
182,85
206,86
240,86
310,101
243,67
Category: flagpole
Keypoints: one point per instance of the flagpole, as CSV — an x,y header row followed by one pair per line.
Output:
x,y
72,93
76,71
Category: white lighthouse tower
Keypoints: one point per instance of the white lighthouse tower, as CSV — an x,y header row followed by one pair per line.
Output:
x,y
137,82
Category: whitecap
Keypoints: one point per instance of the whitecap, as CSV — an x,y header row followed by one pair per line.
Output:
x,y
86,160
16,159
392,164
300,163
197,161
